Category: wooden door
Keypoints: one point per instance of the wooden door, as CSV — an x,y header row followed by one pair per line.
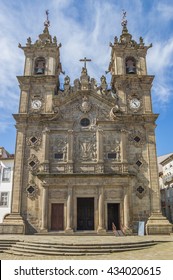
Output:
x,y
57,216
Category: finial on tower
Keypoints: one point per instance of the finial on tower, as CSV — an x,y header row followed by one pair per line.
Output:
x,y
124,20
47,22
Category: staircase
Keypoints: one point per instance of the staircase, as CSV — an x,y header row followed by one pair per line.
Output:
x,y
26,248
6,244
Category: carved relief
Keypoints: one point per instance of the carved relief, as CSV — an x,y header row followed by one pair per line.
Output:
x,y
31,190
139,162
85,107
137,138
87,150
33,164
60,148
140,190
112,149
34,141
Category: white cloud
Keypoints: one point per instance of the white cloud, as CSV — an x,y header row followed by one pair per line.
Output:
x,y
165,11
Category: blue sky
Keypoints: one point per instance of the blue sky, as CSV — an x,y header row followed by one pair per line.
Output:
x,y
85,28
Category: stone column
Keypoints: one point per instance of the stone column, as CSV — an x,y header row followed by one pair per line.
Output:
x,y
126,207
101,227
69,210
44,226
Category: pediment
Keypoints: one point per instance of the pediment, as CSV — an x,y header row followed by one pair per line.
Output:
x,y
86,104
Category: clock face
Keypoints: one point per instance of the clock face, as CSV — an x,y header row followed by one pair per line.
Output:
x,y
36,104
135,103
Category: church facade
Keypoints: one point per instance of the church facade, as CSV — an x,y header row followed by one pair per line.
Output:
x,y
85,155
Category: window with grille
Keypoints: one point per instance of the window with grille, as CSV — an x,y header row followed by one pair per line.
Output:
x,y
4,199
6,175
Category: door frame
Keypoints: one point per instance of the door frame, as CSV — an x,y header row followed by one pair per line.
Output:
x,y
75,209
61,218
52,201
92,199
120,211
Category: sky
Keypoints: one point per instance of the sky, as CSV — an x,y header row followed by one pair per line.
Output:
x,y
85,29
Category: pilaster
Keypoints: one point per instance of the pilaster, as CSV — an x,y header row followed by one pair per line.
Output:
x,y
69,211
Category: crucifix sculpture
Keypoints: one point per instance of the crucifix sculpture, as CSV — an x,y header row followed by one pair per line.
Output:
x,y
85,60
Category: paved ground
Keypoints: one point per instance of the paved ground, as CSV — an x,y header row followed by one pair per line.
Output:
x,y
161,251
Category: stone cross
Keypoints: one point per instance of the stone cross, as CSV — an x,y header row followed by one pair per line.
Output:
x,y
85,60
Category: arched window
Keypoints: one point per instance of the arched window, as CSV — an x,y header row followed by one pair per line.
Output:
x,y
39,66
130,65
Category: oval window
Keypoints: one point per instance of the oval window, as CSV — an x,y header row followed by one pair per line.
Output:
x,y
85,122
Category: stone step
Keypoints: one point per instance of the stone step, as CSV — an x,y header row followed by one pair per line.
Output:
x,y
75,249
32,252
6,244
81,246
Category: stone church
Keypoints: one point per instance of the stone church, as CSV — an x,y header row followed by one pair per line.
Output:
x,y
85,153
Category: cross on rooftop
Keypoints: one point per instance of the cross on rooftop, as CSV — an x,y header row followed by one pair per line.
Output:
x,y
85,60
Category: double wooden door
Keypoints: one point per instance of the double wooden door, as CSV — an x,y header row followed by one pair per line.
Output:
x,y
85,213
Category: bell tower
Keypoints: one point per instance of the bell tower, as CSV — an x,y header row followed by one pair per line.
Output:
x,y
41,73
134,111
38,85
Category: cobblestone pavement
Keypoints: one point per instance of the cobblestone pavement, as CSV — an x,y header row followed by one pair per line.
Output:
x,y
161,251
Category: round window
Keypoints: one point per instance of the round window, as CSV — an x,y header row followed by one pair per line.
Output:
x,y
85,122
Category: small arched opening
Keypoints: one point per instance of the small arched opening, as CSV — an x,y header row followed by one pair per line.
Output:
x,y
130,65
39,68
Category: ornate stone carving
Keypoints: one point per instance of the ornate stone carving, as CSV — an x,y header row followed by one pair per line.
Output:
x,y
139,162
112,146
34,141
87,148
99,168
32,190
114,111
137,138
140,190
60,147
85,107
33,164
